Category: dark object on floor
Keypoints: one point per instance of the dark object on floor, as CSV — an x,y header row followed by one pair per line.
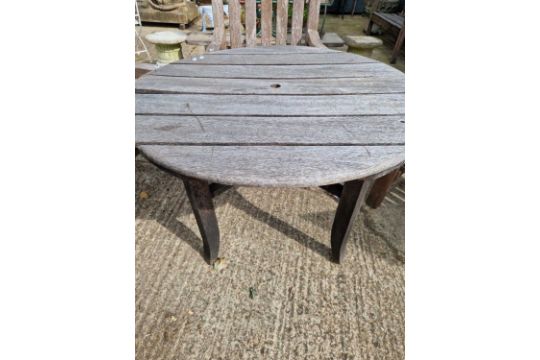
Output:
x,y
252,292
392,22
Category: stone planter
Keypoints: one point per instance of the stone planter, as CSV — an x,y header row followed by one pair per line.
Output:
x,y
362,45
168,45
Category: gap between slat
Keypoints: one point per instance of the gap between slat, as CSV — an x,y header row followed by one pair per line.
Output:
x,y
165,143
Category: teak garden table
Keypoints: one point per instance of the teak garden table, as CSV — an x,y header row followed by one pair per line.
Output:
x,y
273,116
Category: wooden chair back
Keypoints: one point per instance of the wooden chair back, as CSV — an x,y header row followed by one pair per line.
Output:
x,y
219,40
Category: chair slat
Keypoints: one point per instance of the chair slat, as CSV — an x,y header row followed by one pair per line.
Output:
x,y
281,21
282,8
218,40
266,22
313,37
235,26
251,21
297,21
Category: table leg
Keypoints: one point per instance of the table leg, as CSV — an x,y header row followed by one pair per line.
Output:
x,y
200,196
350,202
381,187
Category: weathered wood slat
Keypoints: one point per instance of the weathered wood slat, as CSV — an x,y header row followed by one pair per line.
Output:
x,y
266,22
312,35
274,50
282,7
235,25
218,39
394,19
257,105
390,83
251,21
281,59
297,21
354,130
298,166
275,71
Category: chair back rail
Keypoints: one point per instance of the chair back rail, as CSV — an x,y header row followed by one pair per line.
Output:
x,y
219,40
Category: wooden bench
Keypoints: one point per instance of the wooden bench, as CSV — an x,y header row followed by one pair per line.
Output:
x,y
388,21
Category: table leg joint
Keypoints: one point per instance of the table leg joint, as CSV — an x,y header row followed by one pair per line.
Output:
x,y
351,200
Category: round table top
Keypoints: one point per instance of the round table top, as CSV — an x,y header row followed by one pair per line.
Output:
x,y
273,116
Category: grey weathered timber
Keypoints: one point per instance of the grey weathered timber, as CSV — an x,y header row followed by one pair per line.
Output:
x,y
261,105
366,84
324,58
281,116
297,21
281,21
274,50
234,24
275,165
199,195
216,130
266,22
251,21
312,36
351,200
218,39
272,71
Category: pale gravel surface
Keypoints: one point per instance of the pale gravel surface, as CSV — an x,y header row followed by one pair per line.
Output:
x,y
276,241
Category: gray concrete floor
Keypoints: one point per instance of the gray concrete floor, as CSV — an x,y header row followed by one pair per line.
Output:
x,y
276,294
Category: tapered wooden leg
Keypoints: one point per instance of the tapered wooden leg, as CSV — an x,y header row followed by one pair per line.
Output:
x,y
200,196
350,202
381,187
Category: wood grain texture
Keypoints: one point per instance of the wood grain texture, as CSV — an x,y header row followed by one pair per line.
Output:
x,y
235,26
312,35
390,83
282,7
271,123
218,38
261,105
323,58
296,166
251,23
266,22
275,71
277,49
297,21
215,130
